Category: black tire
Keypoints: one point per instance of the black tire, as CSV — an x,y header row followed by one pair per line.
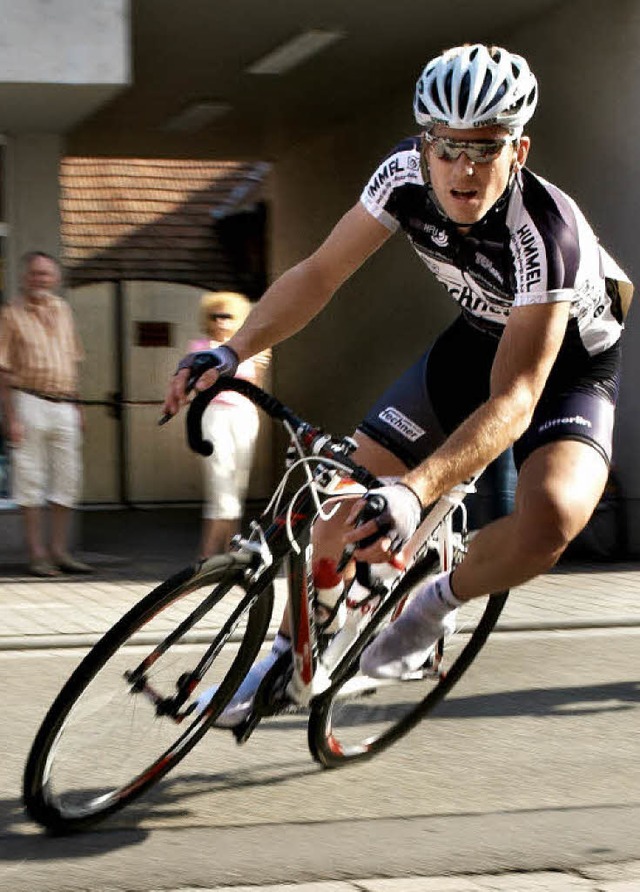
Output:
x,y
105,741
358,717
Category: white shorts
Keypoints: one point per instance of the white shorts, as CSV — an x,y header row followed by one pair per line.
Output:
x,y
47,465
233,431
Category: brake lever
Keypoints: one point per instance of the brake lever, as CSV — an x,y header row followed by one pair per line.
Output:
x,y
188,388
373,507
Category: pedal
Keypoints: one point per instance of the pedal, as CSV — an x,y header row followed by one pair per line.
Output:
x,y
269,699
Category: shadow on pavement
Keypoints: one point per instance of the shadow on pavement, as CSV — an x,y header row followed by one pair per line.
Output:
x,y
569,702
22,841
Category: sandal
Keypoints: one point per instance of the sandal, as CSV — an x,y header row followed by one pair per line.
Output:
x,y
43,569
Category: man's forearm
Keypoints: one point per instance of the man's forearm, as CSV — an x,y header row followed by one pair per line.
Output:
x,y
285,308
488,431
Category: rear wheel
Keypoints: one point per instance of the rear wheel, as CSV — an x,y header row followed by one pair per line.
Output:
x,y
128,714
359,716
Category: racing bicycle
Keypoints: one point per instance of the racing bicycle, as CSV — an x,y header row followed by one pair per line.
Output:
x,y
130,711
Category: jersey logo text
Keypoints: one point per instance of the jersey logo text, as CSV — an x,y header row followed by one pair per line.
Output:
x,y
574,419
399,422
528,258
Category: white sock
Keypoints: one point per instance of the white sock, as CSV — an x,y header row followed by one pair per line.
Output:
x,y
427,609
254,676
405,644
437,598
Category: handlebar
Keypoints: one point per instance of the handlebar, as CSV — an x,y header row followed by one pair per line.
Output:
x,y
265,401
315,440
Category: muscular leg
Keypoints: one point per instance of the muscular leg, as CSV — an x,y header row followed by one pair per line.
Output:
x,y
558,489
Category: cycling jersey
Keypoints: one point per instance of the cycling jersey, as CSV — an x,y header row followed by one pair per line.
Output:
x,y
534,246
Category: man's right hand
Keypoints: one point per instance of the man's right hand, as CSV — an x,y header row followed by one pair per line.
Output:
x,y
198,370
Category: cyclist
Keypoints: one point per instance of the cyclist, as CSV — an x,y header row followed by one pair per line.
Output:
x,y
531,361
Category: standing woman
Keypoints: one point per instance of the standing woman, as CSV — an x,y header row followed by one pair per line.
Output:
x,y
230,422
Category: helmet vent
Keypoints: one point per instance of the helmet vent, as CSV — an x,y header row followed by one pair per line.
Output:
x,y
500,92
484,89
476,86
435,99
463,95
447,87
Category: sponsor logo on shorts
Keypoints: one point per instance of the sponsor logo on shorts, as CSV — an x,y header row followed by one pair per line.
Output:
x,y
572,419
399,422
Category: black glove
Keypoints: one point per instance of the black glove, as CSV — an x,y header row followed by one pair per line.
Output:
x,y
397,511
223,358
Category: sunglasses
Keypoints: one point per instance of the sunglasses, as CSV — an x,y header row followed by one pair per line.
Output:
x,y
220,315
478,151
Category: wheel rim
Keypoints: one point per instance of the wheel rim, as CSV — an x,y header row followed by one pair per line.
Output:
x,y
364,714
112,742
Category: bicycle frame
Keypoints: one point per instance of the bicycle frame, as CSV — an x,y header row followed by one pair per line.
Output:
x,y
279,542
323,675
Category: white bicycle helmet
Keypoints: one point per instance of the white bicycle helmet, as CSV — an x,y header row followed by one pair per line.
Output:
x,y
475,86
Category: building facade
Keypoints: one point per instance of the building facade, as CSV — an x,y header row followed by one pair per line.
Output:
x,y
88,79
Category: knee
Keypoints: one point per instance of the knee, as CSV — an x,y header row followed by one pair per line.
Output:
x,y
545,533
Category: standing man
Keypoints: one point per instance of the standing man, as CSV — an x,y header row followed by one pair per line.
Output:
x,y
39,355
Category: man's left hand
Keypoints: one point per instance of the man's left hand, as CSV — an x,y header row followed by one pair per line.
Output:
x,y
386,534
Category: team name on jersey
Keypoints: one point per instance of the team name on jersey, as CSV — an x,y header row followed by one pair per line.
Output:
x,y
466,292
527,257
401,168
485,263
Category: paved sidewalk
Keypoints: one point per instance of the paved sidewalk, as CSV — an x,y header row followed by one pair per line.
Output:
x,y
134,550
74,611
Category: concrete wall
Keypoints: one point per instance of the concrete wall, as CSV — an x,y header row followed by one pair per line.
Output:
x,y
585,139
33,211
64,42
385,315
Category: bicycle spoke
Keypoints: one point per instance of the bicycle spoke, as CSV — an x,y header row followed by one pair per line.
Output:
x,y
130,710
365,709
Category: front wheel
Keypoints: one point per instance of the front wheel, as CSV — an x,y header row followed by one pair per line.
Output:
x,y
128,714
358,716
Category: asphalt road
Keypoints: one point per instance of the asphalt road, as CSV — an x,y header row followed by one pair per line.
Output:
x,y
533,763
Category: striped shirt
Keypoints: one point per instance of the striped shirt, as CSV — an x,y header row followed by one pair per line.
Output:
x,y
39,346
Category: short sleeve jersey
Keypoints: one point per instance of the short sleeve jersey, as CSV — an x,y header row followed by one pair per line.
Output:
x,y
535,246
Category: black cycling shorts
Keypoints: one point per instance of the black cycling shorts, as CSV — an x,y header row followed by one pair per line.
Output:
x,y
430,400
